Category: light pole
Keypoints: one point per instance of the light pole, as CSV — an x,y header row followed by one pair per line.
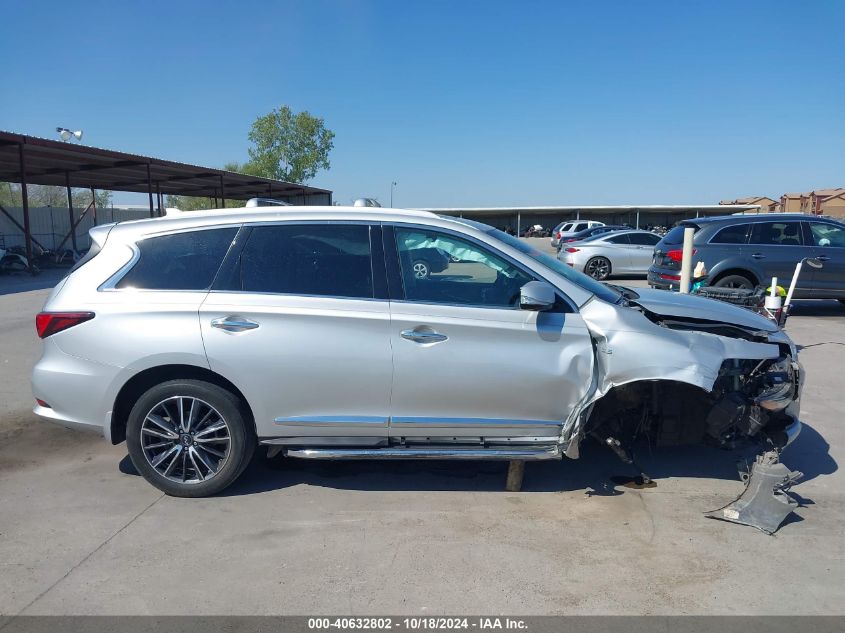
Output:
x,y
392,185
66,134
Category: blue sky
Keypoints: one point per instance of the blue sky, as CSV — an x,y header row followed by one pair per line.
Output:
x,y
463,103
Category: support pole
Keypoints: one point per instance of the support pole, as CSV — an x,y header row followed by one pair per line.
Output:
x,y
150,188
686,261
516,471
94,206
27,230
638,219
518,223
73,228
18,224
158,196
70,212
222,193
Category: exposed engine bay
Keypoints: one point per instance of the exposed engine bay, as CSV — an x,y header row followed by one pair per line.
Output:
x,y
694,380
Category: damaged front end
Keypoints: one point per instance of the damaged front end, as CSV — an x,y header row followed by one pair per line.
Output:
x,y
672,378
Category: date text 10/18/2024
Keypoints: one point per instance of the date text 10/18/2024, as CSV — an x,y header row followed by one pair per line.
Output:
x,y
417,623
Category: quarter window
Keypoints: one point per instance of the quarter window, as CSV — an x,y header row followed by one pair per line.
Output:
x,y
181,261
731,235
440,268
324,260
776,233
619,239
827,234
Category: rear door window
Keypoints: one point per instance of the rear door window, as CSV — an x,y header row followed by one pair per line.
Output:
x,y
735,234
776,234
308,259
181,261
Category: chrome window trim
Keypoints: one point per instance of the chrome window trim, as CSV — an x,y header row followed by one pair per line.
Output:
x,y
533,272
290,294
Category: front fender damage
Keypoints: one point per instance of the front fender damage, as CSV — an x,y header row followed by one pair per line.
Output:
x,y
750,383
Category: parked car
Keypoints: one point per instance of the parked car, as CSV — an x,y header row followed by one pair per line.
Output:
x,y
743,251
198,336
596,230
424,261
566,229
615,253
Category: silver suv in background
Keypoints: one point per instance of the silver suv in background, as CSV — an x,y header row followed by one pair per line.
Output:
x,y
571,227
743,251
198,336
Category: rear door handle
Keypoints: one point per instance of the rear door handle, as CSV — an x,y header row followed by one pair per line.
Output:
x,y
234,324
823,258
423,336
758,256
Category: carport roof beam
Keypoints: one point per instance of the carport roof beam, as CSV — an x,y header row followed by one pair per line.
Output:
x,y
61,164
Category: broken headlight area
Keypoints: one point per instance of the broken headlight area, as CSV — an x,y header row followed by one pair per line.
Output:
x,y
750,397
748,400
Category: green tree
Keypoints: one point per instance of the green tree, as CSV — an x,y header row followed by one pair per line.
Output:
x,y
195,203
288,146
50,196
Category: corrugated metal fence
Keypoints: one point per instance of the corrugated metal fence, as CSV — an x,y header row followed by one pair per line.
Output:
x,y
49,225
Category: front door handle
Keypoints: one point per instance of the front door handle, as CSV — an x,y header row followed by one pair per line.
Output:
x,y
234,324
423,336
758,256
823,258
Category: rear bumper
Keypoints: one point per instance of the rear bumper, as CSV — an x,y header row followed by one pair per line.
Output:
x,y
663,279
76,390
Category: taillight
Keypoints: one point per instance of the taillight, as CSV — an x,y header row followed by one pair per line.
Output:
x,y
571,249
571,239
669,277
678,254
49,323
557,235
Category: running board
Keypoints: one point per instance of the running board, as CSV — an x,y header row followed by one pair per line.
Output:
x,y
504,453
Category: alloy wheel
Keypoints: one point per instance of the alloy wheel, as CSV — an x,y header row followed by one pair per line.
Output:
x,y
420,270
185,439
598,268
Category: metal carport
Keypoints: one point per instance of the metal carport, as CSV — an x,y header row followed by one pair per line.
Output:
x,y
37,161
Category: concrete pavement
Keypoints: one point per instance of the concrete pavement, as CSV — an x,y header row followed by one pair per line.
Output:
x,y
81,534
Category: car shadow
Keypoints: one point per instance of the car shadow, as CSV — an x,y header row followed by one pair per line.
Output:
x,y
596,472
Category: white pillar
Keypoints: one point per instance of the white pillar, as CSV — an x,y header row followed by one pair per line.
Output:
x,y
519,223
686,261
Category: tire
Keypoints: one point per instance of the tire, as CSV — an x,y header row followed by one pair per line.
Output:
x,y
197,463
420,269
735,281
598,268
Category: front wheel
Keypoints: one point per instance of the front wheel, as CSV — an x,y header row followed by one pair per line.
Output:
x,y
598,268
189,438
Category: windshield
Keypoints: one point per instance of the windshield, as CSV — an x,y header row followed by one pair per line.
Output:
x,y
606,293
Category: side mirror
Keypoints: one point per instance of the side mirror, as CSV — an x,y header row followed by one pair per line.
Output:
x,y
537,296
814,262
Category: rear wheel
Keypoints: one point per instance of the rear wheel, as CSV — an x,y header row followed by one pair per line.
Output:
x,y
189,438
735,281
598,268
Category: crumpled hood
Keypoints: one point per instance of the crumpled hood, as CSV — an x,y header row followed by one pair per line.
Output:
x,y
675,304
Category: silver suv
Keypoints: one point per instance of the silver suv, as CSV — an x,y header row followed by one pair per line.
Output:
x,y
198,336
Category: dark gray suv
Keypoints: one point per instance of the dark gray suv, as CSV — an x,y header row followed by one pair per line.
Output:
x,y
742,251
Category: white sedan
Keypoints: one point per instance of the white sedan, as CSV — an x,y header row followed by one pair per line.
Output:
x,y
616,253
